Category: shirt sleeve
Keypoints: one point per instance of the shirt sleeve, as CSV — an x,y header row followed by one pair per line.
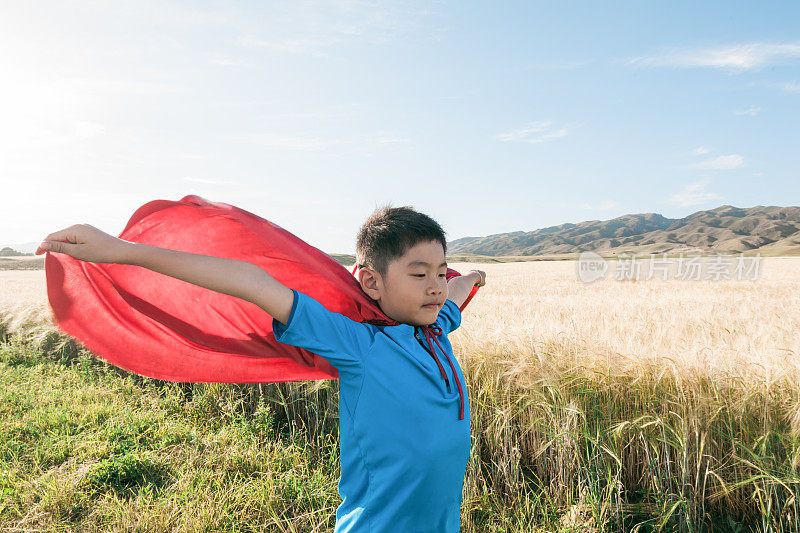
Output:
x,y
340,340
449,317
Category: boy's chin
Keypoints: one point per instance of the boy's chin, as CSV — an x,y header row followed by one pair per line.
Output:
x,y
427,317
418,320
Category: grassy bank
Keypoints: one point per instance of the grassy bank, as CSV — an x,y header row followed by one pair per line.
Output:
x,y
85,446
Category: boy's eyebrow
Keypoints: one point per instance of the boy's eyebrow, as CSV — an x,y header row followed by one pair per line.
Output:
x,y
423,263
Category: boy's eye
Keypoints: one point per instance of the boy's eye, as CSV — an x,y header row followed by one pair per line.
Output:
x,y
423,275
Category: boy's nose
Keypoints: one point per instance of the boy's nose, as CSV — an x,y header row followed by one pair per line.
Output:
x,y
436,287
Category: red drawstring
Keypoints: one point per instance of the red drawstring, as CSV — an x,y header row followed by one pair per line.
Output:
x,y
431,332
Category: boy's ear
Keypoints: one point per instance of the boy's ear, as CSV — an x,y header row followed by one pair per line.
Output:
x,y
370,282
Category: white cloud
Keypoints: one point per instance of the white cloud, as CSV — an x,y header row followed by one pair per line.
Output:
x,y
36,133
701,150
536,132
565,65
603,205
737,57
206,181
752,111
321,25
288,142
723,162
313,47
86,129
390,140
316,144
224,60
694,194
792,87
111,86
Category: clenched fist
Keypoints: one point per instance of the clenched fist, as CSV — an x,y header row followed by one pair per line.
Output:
x,y
87,243
482,276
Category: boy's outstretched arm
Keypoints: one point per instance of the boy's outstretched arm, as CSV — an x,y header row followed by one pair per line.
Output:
x,y
229,276
459,287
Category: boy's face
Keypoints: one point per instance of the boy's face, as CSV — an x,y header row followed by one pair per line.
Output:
x,y
412,281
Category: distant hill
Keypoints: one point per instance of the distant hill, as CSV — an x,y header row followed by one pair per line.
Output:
x,y
25,248
7,251
767,230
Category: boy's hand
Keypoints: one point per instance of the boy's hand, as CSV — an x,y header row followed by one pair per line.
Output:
x,y
482,276
87,243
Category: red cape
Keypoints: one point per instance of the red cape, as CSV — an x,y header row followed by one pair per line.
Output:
x,y
166,328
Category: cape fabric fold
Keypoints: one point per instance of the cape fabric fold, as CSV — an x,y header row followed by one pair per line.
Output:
x,y
164,328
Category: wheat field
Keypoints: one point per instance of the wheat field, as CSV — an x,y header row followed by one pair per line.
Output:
x,y
718,329
611,405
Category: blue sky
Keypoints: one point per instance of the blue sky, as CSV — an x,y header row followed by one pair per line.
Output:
x,y
491,117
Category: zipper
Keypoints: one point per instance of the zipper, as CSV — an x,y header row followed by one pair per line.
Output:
x,y
417,336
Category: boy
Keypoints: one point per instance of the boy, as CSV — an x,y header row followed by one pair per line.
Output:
x,y
404,415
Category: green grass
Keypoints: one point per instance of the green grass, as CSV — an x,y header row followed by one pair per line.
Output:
x,y
85,448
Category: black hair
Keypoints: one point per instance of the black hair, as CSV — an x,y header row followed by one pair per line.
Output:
x,y
389,232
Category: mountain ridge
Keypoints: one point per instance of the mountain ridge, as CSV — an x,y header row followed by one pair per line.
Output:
x,y
767,230
773,230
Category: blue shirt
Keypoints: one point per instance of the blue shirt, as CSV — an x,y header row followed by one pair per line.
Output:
x,y
403,449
